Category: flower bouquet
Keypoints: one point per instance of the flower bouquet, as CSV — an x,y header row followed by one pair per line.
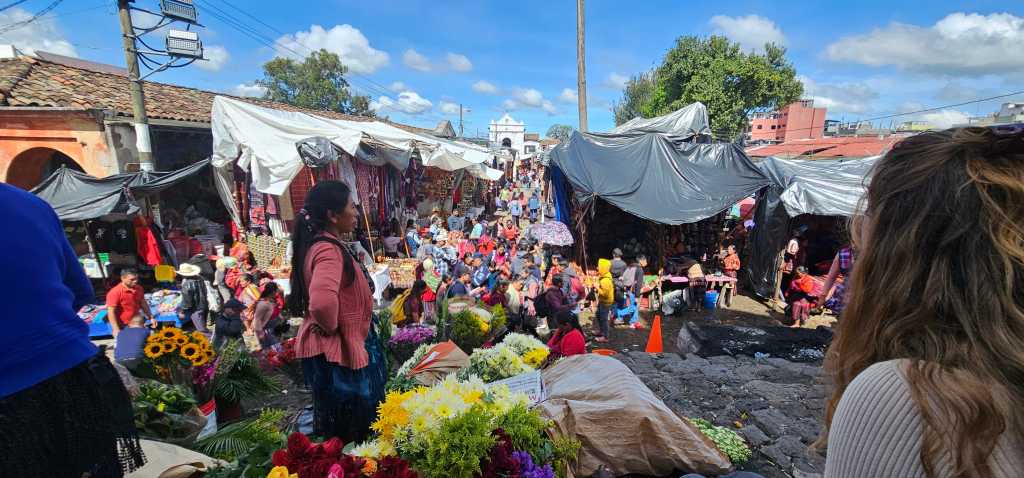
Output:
x,y
496,363
462,429
281,357
328,460
176,354
406,340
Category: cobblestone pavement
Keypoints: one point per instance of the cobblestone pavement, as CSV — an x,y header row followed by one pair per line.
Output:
x,y
780,404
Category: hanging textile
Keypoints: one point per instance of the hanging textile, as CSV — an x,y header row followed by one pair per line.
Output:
x,y
348,174
146,241
277,227
367,179
299,187
257,209
285,209
271,204
267,250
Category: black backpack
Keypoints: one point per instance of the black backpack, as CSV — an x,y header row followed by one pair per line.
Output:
x,y
540,304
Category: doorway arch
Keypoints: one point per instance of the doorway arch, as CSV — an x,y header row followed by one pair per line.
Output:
x,y
506,143
31,166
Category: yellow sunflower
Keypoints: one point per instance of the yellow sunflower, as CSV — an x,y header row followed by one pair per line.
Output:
x,y
169,346
208,353
155,338
181,340
169,333
199,359
154,350
191,351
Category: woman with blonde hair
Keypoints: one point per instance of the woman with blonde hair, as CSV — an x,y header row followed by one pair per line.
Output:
x,y
926,372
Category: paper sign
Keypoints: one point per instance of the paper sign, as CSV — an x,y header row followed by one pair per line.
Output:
x,y
532,384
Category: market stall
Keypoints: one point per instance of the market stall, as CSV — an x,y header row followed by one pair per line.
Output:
x,y
811,197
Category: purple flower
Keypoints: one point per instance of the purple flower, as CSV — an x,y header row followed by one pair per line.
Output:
x,y
413,335
529,468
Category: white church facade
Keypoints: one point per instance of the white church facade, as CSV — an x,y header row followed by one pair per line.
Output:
x,y
508,133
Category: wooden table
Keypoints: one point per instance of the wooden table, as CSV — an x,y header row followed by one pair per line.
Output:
x,y
726,282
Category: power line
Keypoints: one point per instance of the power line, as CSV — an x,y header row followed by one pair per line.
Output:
x,y
15,26
11,5
379,88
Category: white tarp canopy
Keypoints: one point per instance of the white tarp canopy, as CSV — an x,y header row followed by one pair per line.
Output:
x,y
263,140
690,120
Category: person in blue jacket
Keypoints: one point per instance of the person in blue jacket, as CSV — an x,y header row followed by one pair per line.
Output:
x,y
63,409
534,204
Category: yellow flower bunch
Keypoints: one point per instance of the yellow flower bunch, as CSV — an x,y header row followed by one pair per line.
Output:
x,y
391,415
281,472
535,357
195,347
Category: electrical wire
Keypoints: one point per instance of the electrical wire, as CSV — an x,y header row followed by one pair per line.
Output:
x,y
15,26
11,5
220,14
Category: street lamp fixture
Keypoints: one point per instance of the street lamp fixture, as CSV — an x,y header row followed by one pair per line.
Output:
x,y
185,44
183,10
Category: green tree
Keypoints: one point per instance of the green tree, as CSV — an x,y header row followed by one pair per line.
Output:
x,y
316,83
732,84
561,132
635,95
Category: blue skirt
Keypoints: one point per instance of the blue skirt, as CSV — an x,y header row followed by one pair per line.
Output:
x,y
345,400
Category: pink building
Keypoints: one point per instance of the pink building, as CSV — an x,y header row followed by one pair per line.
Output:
x,y
800,120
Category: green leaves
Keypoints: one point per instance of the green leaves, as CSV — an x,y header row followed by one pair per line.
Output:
x,y
725,439
560,132
317,83
714,71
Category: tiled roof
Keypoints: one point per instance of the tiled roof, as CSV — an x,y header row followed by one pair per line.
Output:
x,y
531,137
545,142
827,147
28,81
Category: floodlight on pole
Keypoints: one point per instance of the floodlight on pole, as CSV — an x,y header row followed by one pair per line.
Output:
x,y
183,10
184,44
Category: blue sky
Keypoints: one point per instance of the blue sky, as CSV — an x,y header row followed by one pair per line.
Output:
x,y
860,59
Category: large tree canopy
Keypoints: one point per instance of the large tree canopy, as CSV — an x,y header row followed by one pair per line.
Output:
x,y
732,84
561,132
317,83
636,94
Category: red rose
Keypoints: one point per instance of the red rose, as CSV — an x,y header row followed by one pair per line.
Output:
x,y
280,458
391,467
333,447
315,452
298,445
318,469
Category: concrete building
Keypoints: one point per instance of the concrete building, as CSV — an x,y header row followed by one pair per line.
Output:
x,y
800,120
508,133
1008,113
55,114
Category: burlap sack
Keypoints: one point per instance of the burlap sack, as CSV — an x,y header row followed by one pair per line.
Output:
x,y
621,423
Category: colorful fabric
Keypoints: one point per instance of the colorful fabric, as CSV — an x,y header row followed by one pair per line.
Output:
x,y
845,260
147,246
257,208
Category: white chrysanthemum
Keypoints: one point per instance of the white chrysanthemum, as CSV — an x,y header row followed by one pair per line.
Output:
x,y
418,355
521,344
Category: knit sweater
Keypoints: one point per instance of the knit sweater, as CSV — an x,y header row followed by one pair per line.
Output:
x,y
343,311
43,335
877,431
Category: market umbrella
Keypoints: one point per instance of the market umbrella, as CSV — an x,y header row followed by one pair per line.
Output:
x,y
551,232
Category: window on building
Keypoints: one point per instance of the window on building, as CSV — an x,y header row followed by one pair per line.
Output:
x,y
783,126
773,126
785,114
530,149
758,126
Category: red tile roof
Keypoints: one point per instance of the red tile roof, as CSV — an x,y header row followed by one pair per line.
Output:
x,y
546,142
827,147
26,81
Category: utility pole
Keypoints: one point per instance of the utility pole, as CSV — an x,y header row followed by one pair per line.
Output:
x,y
460,120
581,74
142,141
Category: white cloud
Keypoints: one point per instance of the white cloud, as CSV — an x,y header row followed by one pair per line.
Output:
x,y
959,44
941,119
216,57
614,81
399,87
751,31
416,61
569,97
458,62
34,36
846,98
451,62
485,88
408,102
242,89
344,40
954,92
448,106
529,99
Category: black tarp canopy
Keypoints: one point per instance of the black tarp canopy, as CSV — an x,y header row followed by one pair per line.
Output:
x,y
823,188
76,196
659,176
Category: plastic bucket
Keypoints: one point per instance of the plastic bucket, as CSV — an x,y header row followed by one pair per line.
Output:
x,y
710,298
210,410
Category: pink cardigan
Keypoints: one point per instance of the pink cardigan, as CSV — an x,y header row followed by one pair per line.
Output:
x,y
342,311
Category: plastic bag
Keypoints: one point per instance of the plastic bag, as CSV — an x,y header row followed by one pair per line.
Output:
x,y
127,379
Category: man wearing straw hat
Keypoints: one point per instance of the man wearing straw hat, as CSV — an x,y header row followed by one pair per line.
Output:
x,y
193,297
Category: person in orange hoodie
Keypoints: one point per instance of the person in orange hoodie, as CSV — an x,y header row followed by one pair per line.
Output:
x,y
605,298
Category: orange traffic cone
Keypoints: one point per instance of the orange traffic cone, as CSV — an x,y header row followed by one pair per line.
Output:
x,y
654,343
